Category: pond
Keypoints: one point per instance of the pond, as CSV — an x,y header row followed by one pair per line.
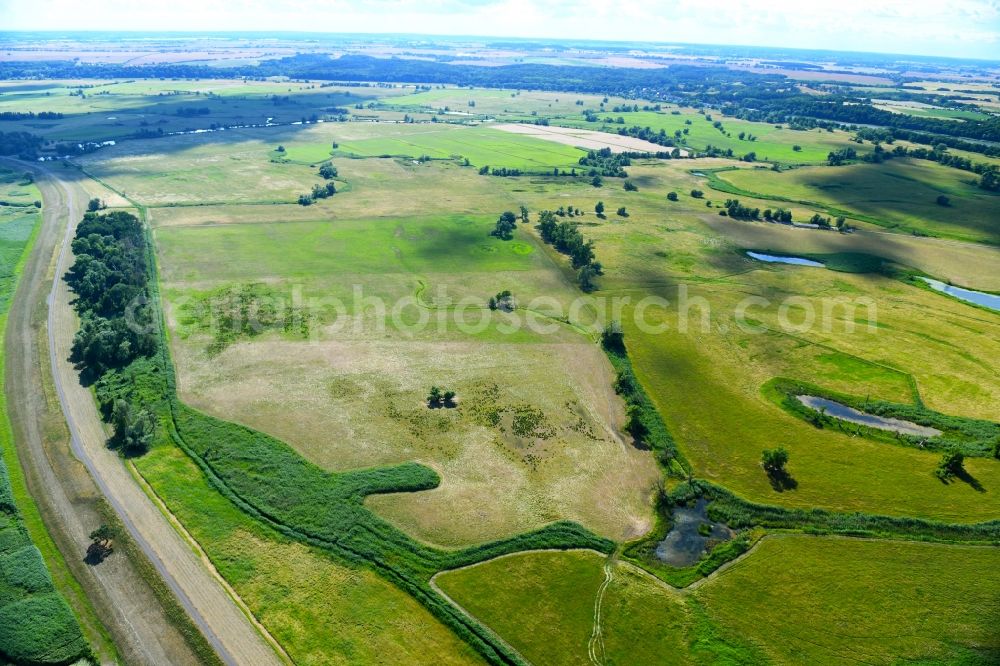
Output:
x,y
846,413
770,258
684,544
991,301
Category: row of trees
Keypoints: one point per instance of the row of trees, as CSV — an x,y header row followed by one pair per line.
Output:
x,y
318,192
567,239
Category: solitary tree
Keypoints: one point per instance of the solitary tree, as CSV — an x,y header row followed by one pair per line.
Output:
x,y
774,460
505,226
95,204
524,214
101,544
629,186
597,181
622,212
671,196
952,464
599,209
434,397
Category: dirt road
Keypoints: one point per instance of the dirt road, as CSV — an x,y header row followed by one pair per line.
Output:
x,y
140,620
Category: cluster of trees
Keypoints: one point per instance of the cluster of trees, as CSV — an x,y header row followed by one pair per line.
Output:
x,y
328,171
503,301
605,163
437,398
192,111
779,215
838,157
110,277
567,239
504,172
29,115
505,226
318,192
22,144
733,208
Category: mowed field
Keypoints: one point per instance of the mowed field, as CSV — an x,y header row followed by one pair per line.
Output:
x,y
813,600
901,194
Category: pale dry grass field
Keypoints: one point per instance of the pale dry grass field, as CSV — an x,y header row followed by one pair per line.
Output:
x,y
535,437
586,139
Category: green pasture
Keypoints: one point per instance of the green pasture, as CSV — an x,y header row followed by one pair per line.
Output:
x,y
773,144
307,249
844,601
899,194
543,604
482,146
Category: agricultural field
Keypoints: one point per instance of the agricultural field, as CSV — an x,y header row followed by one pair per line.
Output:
x,y
418,386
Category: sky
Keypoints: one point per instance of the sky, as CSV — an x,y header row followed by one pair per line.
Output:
x,y
958,28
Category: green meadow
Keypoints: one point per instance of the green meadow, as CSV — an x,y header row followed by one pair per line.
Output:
x,y
898,194
537,433
772,143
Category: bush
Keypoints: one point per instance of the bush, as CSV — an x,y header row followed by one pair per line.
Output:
x,y
672,196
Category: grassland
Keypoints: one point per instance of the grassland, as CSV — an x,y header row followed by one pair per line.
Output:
x,y
899,194
830,600
815,600
359,403
321,612
772,144
536,436
37,626
640,621
111,110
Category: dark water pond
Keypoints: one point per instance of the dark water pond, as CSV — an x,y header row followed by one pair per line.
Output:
x,y
854,416
684,545
775,259
991,301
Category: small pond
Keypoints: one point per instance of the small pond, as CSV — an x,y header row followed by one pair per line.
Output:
x,y
846,413
684,544
991,301
773,259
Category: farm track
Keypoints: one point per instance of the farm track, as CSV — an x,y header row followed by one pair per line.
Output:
x,y
153,639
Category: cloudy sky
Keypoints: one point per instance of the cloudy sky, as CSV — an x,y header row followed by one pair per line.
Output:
x,y
964,28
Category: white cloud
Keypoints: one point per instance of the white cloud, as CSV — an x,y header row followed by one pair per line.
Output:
x,y
958,27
